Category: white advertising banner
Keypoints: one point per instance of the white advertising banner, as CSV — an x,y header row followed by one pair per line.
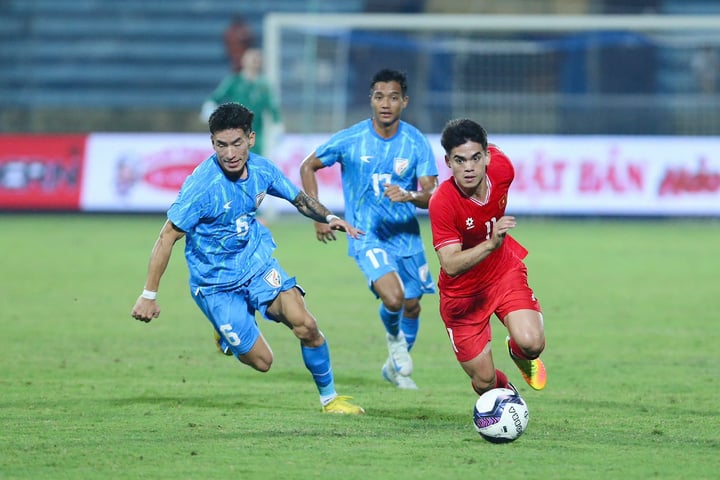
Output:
x,y
554,175
597,175
138,172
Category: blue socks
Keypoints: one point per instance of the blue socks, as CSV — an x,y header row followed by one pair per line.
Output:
x,y
395,323
391,320
317,361
409,327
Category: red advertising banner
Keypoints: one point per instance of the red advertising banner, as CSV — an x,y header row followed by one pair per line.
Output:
x,y
41,172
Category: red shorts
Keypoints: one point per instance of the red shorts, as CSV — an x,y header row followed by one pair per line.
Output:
x,y
467,319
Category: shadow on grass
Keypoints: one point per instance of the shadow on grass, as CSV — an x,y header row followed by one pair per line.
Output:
x,y
204,402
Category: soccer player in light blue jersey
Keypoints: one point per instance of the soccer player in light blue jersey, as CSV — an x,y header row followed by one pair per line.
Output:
x,y
388,171
229,253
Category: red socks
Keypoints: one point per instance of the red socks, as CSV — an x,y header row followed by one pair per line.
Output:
x,y
501,381
517,353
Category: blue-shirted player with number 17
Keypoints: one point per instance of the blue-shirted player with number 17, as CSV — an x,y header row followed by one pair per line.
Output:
x,y
388,171
229,253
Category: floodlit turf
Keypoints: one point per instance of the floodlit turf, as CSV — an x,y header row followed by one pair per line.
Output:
x,y
631,310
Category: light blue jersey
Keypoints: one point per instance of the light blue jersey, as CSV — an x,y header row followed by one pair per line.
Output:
x,y
368,163
225,245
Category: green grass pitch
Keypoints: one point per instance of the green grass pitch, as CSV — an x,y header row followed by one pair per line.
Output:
x,y
631,311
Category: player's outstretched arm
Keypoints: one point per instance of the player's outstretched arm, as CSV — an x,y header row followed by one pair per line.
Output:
x,y
312,208
308,168
146,307
420,198
454,260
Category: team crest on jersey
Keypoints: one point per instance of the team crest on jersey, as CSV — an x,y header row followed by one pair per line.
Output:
x,y
272,278
400,165
503,201
259,198
470,223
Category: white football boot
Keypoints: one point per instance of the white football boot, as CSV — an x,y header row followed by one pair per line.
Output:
x,y
399,355
391,375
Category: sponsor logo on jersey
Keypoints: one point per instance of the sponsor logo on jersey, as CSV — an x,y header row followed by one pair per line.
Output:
x,y
272,278
365,158
400,165
227,205
470,223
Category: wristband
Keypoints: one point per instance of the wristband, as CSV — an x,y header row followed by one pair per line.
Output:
x,y
330,217
148,294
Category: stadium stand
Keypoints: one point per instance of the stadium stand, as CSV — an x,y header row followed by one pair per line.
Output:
x,y
74,64
147,65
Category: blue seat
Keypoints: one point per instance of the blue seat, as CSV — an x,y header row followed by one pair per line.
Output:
x,y
134,53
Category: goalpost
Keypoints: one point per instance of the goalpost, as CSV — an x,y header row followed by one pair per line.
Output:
x,y
544,74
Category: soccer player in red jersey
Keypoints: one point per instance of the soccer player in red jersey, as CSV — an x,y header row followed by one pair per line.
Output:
x,y
482,271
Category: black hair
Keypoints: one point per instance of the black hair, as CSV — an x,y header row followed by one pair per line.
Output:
x,y
460,131
229,116
387,75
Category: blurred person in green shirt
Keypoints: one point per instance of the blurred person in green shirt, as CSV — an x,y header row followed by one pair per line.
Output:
x,y
250,88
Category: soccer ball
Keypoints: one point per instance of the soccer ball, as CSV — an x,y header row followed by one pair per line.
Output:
x,y
500,415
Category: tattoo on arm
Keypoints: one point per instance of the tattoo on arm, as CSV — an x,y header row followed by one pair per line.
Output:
x,y
310,207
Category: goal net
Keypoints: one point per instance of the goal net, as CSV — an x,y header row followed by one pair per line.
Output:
x,y
535,74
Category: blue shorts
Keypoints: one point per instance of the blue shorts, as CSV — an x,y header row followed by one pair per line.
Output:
x,y
414,272
232,313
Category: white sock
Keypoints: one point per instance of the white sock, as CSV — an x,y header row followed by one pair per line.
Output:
x,y
325,399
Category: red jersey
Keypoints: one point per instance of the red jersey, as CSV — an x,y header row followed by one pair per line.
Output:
x,y
457,218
